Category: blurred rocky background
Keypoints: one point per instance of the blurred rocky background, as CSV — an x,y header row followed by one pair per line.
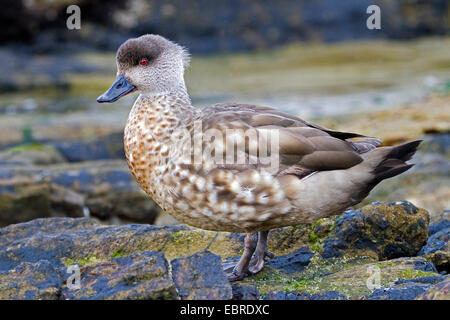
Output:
x,y
61,153
211,26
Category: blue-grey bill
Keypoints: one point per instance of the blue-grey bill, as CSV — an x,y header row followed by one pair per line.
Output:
x,y
118,89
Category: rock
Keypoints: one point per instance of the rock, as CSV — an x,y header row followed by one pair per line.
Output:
x,y
103,189
106,147
293,262
32,154
380,230
30,281
24,201
409,289
25,230
352,278
41,72
143,275
425,280
437,248
406,291
287,295
439,291
244,292
289,239
439,241
438,226
116,262
437,144
129,262
354,282
441,259
439,216
64,241
200,277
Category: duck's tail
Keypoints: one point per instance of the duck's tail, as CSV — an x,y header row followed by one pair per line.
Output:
x,y
383,163
330,192
394,162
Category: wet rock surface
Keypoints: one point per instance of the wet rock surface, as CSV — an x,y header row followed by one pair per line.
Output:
x,y
293,262
142,275
288,295
245,292
31,281
439,291
140,261
122,262
407,291
200,277
437,248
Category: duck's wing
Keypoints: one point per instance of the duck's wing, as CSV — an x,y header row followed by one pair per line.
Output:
x,y
304,147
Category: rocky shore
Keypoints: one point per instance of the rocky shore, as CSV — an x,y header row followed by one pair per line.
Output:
x,y
382,251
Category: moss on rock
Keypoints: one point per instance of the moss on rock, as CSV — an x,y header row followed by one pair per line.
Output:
x,y
380,230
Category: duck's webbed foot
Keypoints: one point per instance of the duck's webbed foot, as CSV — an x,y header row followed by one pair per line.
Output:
x,y
252,260
261,252
241,269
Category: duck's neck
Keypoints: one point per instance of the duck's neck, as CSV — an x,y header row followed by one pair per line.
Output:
x,y
162,113
178,93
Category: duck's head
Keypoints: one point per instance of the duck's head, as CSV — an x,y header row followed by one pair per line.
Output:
x,y
150,65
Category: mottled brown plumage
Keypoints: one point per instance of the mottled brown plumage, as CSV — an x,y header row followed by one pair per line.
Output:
x,y
319,173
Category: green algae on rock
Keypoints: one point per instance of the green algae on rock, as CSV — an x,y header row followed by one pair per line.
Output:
x,y
380,230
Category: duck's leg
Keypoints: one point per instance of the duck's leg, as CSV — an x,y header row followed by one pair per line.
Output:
x,y
241,270
261,252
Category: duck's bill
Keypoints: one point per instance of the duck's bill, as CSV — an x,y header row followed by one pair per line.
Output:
x,y
119,88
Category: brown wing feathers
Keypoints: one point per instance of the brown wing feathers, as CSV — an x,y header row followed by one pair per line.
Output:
x,y
304,147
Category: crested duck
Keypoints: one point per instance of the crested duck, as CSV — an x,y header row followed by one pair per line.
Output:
x,y
179,155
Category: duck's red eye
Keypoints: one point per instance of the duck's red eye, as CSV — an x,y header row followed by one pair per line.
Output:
x,y
143,62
